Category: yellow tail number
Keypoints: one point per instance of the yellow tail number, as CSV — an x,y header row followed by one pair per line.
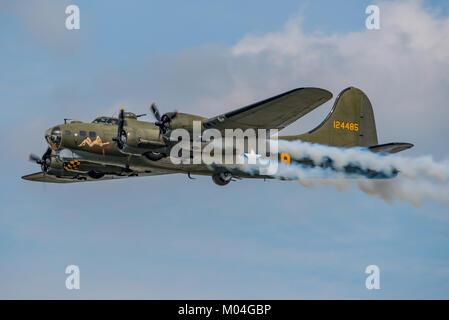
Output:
x,y
350,126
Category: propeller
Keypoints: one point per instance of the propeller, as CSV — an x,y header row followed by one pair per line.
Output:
x,y
163,122
121,134
44,162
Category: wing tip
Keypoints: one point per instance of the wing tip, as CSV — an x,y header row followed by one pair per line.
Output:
x,y
324,91
27,177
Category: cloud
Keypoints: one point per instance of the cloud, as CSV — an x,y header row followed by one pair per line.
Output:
x,y
403,67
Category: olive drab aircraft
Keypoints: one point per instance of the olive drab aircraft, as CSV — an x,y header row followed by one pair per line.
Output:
x,y
125,146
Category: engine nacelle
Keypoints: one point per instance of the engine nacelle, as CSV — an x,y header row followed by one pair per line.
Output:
x,y
184,121
140,141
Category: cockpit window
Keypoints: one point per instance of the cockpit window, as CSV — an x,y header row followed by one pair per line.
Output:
x,y
111,121
100,120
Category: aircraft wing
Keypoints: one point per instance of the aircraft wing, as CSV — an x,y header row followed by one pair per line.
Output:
x,y
43,177
274,113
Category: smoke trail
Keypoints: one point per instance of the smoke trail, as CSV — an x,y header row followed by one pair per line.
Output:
x,y
420,178
412,168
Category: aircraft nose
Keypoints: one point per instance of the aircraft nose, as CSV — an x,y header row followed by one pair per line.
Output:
x,y
53,137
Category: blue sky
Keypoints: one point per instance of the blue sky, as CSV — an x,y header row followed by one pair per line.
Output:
x,y
171,237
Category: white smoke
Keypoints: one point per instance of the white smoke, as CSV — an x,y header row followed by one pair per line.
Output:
x,y
419,179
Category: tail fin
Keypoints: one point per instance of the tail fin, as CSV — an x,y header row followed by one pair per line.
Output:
x,y
350,123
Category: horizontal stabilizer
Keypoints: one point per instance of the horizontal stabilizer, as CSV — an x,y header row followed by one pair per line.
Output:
x,y
393,147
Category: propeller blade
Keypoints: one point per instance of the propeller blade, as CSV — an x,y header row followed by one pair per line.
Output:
x,y
34,158
120,132
44,162
155,111
47,153
121,118
163,122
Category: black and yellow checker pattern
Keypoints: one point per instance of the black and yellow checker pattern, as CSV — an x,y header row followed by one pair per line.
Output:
x,y
72,165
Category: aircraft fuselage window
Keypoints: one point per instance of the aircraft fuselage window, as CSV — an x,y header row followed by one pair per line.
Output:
x,y
83,133
92,134
67,133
